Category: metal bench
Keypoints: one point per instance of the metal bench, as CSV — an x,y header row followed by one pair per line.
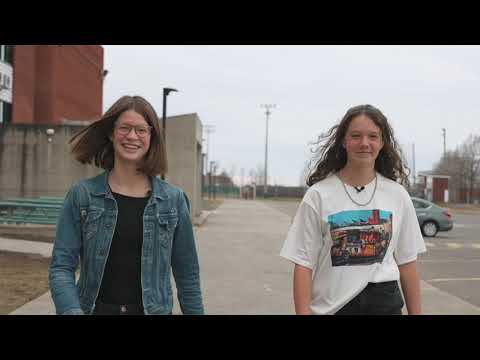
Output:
x,y
29,211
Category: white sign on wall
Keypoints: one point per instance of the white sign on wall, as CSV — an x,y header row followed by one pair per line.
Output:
x,y
6,82
429,182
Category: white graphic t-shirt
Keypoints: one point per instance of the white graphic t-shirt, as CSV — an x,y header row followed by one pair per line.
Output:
x,y
347,245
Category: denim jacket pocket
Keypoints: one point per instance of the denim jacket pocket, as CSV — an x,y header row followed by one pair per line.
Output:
x,y
166,227
91,224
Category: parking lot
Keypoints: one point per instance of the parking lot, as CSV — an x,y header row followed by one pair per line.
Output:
x,y
453,258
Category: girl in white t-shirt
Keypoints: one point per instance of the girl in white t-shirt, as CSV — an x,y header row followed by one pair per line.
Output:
x,y
356,233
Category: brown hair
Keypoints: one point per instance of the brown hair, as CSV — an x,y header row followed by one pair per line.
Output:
x,y
93,143
331,156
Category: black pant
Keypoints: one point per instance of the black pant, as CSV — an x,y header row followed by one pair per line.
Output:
x,y
111,309
376,299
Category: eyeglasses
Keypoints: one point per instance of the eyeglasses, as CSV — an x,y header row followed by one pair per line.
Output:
x,y
141,131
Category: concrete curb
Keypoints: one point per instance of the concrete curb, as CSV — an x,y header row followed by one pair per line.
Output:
x,y
27,247
200,220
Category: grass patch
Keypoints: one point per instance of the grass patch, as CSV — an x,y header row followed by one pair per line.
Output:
x,y
23,278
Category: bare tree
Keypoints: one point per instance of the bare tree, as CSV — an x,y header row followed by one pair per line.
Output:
x,y
452,164
471,153
462,165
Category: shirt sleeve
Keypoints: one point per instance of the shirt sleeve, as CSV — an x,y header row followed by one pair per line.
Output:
x,y
410,242
303,243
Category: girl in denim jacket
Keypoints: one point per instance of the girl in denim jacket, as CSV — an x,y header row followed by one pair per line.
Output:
x,y
126,228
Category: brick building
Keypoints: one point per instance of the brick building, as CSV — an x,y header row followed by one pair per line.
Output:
x,y
436,187
51,84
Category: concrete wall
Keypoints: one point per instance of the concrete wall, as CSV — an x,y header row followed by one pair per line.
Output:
x,y
184,154
31,166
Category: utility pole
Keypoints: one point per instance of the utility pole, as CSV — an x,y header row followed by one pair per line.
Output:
x,y
444,142
208,129
267,114
210,180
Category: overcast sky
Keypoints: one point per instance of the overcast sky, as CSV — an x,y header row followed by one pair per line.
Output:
x,y
421,89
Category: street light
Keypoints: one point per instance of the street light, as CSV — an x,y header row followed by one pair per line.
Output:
x,y
267,113
166,91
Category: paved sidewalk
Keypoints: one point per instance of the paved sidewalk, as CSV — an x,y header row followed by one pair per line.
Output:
x,y
26,247
241,271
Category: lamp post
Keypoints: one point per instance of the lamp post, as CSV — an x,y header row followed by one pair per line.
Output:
x,y
267,113
166,91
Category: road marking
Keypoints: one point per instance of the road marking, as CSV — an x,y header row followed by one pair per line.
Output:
x,y
454,279
454,245
455,225
447,261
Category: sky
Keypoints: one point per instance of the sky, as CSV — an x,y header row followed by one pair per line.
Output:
x,y
421,89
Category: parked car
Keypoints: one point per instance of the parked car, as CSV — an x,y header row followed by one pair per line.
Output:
x,y
432,218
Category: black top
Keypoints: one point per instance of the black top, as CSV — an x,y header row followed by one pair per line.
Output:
x,y
121,283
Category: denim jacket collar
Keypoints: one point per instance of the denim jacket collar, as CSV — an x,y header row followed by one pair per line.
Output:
x,y
101,188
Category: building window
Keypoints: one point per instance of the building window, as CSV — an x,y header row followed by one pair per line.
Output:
x,y
5,112
9,54
6,54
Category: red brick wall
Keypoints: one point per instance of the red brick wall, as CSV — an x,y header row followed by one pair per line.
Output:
x,y
79,82
46,74
54,82
439,187
23,84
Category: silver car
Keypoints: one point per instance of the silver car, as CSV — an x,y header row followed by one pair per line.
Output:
x,y
432,218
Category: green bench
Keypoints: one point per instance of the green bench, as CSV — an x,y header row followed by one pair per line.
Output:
x,y
37,201
30,211
27,220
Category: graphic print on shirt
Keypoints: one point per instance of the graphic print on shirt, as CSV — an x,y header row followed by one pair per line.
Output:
x,y
360,237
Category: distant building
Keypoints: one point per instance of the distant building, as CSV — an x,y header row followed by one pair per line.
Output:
x,y
435,186
6,82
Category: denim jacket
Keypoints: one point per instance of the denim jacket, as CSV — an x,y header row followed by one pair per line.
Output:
x,y
84,235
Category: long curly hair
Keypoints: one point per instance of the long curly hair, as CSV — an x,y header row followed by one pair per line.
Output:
x,y
330,156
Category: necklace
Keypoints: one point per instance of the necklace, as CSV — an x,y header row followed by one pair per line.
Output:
x,y
371,198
